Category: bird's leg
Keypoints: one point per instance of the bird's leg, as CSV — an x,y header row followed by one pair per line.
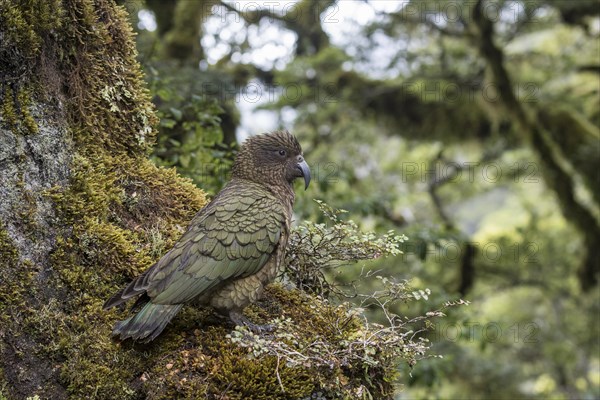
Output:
x,y
239,319
217,317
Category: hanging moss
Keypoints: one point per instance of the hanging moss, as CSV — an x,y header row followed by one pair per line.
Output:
x,y
20,51
15,111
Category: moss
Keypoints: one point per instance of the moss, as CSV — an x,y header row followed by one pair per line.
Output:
x,y
116,200
8,108
28,121
111,110
8,252
16,279
111,241
13,276
14,106
12,291
210,364
20,50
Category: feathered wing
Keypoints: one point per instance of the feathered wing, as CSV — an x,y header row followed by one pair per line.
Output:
x,y
232,237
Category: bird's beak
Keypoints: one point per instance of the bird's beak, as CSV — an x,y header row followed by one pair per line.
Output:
x,y
303,167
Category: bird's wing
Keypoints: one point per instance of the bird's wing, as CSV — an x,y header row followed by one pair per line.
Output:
x,y
233,238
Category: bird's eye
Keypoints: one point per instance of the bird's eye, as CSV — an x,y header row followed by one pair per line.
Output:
x,y
282,152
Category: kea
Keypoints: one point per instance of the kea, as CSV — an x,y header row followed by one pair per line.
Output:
x,y
232,248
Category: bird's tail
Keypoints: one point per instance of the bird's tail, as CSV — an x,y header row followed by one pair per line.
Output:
x,y
148,323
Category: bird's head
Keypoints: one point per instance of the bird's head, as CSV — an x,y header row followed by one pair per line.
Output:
x,y
272,159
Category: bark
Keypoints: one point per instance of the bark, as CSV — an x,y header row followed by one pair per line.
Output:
x,y
29,166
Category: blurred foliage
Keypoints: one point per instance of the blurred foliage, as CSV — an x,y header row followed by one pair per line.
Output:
x,y
190,137
482,146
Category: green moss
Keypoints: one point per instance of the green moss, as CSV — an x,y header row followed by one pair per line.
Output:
x,y
116,200
12,291
30,22
15,277
17,280
24,99
15,111
112,239
8,108
8,252
23,32
210,364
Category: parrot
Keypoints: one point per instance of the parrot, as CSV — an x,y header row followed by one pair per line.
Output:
x,y
232,248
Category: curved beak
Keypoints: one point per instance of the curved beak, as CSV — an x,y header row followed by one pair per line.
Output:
x,y
305,170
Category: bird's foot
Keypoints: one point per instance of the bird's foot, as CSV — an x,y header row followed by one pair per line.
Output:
x,y
241,320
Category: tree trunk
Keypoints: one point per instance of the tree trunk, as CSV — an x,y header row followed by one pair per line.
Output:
x,y
79,200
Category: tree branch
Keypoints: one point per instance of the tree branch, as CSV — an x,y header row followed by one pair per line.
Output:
x,y
556,175
467,264
252,17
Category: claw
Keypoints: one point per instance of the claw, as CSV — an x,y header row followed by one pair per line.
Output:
x,y
241,320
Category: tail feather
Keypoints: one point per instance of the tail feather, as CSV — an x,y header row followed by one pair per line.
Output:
x,y
148,323
134,288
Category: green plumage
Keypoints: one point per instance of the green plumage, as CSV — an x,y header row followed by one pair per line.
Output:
x,y
227,253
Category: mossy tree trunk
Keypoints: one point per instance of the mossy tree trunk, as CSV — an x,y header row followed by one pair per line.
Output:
x,y
82,210
81,207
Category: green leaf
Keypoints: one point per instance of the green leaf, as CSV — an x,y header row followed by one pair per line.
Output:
x,y
164,94
184,160
177,114
168,123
